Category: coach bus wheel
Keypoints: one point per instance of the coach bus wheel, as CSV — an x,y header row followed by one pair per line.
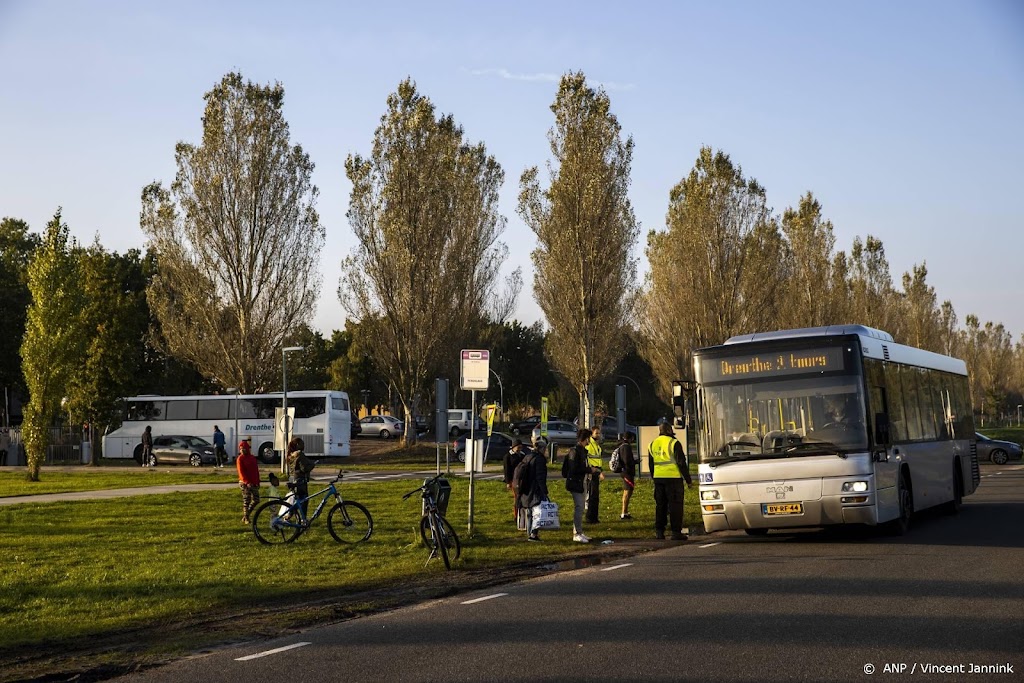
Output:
x,y
266,452
138,454
953,506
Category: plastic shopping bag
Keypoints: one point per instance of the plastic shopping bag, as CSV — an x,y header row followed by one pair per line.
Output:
x,y
545,515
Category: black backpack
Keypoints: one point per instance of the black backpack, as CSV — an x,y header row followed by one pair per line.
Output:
x,y
565,465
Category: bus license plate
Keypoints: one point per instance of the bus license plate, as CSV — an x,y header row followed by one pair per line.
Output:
x,y
782,509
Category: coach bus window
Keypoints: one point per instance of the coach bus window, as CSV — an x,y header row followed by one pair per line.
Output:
x,y
141,411
308,407
894,389
216,409
181,410
339,403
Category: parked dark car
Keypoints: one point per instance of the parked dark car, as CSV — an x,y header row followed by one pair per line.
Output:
x,y
495,446
994,450
357,428
525,427
192,450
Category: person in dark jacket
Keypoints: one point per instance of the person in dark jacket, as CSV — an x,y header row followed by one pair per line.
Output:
x,y
147,446
628,459
575,469
669,469
531,481
218,446
512,459
299,467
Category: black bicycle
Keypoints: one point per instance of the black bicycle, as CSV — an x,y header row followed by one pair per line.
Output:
x,y
438,535
281,520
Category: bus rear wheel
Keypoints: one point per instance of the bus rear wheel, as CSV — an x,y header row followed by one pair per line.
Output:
x,y
266,452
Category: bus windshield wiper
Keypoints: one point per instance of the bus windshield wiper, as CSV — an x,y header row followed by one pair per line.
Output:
x,y
817,445
726,459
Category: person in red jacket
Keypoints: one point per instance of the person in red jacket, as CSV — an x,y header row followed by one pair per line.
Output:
x,y
248,479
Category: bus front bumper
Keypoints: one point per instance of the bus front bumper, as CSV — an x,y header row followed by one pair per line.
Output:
x,y
827,511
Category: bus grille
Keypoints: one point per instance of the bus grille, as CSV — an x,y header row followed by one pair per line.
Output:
x,y
975,470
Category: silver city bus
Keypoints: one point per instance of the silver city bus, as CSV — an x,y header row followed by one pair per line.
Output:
x,y
827,426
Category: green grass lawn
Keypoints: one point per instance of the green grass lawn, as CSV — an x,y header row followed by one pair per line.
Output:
x,y
86,568
14,483
1015,434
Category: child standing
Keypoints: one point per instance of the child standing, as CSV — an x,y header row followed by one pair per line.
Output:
x,y
248,479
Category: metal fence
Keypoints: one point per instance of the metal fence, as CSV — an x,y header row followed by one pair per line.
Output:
x,y
65,447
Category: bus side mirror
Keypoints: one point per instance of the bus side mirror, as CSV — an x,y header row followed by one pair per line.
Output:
x,y
881,429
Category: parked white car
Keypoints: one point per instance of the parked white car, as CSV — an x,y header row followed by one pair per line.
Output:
x,y
459,422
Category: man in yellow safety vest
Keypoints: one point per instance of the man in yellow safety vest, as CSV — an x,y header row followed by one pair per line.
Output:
x,y
668,466
596,475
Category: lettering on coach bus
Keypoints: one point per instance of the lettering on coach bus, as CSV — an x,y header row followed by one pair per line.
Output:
x,y
259,428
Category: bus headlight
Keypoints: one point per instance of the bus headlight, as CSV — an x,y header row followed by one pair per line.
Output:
x,y
710,495
855,486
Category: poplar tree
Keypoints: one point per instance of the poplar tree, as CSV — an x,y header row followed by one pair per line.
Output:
x,y
424,210
584,274
718,270
237,239
54,339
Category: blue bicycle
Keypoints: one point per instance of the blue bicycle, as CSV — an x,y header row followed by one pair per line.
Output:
x,y
281,520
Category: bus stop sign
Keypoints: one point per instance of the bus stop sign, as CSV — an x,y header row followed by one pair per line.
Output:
x,y
475,370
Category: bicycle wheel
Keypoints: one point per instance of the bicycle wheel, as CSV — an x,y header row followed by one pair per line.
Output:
x,y
452,547
349,522
276,521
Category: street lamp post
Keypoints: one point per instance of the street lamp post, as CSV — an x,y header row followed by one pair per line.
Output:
x,y
1019,406
284,391
501,395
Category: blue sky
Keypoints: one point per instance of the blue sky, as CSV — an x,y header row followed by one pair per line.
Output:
x,y
904,119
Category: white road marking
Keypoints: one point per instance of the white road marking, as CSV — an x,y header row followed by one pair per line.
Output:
x,y
486,597
617,566
708,545
271,652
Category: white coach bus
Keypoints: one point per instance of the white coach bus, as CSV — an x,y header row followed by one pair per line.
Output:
x,y
322,418
827,426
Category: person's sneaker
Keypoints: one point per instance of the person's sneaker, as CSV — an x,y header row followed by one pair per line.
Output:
x,y
533,537
580,538
626,516
678,537
660,535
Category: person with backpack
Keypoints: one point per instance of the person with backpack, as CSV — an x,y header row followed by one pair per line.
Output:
x,y
531,481
669,469
218,446
512,459
624,461
575,469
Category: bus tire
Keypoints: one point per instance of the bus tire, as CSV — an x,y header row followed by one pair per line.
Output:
x,y
266,452
905,498
953,506
138,454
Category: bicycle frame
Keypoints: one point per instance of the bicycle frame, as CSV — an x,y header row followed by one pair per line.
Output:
x,y
327,494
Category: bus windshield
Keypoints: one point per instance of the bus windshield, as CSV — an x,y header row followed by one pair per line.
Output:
x,y
786,417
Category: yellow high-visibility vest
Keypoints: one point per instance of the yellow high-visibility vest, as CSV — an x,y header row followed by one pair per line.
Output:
x,y
593,453
665,466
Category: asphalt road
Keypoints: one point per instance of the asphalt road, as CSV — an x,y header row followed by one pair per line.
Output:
x,y
805,606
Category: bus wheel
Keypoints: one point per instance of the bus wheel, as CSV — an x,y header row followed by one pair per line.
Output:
x,y
266,452
138,454
900,525
953,506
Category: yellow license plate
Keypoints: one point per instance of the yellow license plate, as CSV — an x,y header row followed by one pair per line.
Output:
x,y
782,509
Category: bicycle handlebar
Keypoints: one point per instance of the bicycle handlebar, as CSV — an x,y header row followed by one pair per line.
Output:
x,y
427,483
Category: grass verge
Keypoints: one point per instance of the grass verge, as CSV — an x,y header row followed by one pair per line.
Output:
x,y
105,586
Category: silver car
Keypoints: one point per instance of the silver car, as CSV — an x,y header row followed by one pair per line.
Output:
x,y
192,450
561,433
383,426
994,450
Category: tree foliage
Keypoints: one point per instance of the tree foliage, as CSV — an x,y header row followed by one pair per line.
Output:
x,y
424,209
237,239
54,338
719,269
584,274
17,245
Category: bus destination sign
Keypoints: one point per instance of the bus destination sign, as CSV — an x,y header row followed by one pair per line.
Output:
x,y
770,364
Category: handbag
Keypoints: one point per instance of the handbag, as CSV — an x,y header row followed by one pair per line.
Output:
x,y
545,515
